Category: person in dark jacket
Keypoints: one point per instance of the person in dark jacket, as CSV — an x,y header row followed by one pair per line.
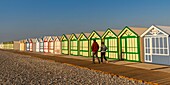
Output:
x,y
95,48
103,52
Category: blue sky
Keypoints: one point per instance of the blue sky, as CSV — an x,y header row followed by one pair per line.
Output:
x,y
20,19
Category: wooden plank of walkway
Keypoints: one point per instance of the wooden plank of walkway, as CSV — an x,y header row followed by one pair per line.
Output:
x,y
131,72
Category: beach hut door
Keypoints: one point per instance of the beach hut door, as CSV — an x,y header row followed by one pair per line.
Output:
x,y
148,49
123,49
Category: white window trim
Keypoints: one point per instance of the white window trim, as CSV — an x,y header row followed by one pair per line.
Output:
x,y
155,46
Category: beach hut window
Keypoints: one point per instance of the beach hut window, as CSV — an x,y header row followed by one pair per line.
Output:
x,y
159,45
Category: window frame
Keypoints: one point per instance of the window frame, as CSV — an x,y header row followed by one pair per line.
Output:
x,y
156,48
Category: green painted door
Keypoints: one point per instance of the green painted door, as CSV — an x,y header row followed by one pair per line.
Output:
x,y
83,47
74,47
130,49
64,47
112,45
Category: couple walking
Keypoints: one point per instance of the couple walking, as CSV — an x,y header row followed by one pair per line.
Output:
x,y
95,48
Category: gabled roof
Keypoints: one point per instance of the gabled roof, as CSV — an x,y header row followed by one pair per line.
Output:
x,y
99,33
46,37
30,40
57,37
85,34
137,30
67,36
114,31
53,38
76,35
166,29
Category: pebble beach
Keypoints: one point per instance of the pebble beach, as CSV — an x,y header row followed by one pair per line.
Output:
x,y
16,69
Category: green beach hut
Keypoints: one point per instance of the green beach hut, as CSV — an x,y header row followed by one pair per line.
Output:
x,y
110,38
74,44
83,44
131,44
97,36
65,44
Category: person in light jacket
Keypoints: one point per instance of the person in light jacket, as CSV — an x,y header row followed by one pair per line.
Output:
x,y
103,52
95,48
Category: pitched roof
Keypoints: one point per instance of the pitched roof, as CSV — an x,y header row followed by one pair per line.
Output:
x,y
85,34
166,29
56,37
46,37
138,30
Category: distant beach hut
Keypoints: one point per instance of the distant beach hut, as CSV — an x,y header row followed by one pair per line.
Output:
x,y
97,36
22,45
27,44
156,44
57,45
41,42
110,38
65,44
31,45
51,44
16,45
13,45
46,43
74,44
1,45
131,44
38,44
7,45
33,40
83,44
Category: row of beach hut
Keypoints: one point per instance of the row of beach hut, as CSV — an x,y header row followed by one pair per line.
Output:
x,y
135,44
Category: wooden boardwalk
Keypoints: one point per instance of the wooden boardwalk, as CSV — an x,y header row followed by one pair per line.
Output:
x,y
159,77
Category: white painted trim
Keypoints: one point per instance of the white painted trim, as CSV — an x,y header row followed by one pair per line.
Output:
x,y
151,29
156,47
